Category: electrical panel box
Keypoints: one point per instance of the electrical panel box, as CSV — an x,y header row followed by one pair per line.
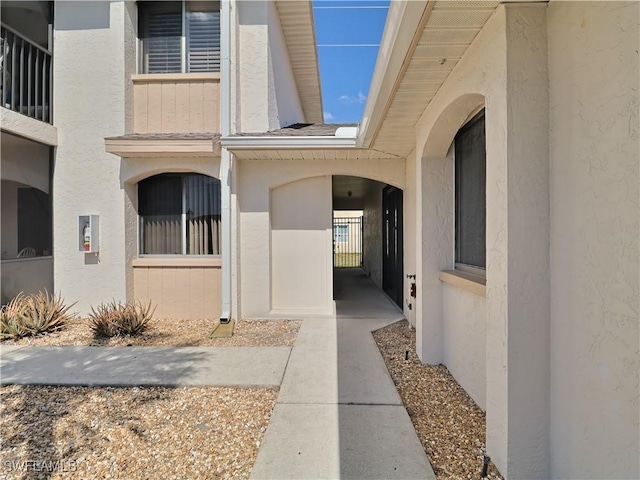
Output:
x,y
88,233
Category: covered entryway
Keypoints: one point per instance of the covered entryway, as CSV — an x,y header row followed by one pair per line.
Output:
x,y
379,206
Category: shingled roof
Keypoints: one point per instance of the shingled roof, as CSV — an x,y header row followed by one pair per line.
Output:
x,y
301,130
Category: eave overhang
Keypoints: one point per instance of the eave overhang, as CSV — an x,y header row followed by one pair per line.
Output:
x,y
145,147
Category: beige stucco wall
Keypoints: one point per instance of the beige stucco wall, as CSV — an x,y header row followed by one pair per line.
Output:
x,y
94,58
266,89
301,254
505,68
595,269
464,340
560,86
256,179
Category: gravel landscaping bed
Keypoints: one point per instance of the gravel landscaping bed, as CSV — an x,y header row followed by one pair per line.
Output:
x,y
131,433
176,333
451,427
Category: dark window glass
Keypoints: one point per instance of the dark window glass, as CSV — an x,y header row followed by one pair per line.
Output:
x,y
470,165
179,214
34,222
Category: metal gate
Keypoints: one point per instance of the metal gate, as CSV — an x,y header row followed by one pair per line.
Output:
x,y
347,242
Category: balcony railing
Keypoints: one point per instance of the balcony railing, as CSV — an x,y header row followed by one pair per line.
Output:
x,y
25,75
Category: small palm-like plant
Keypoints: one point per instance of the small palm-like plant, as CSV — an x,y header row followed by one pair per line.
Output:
x,y
117,319
46,313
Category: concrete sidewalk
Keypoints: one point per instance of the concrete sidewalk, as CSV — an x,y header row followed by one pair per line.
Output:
x,y
144,366
338,414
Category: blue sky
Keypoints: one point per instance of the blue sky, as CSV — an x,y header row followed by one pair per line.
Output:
x,y
348,40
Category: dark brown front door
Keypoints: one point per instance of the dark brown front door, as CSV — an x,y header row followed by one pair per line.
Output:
x,y
392,263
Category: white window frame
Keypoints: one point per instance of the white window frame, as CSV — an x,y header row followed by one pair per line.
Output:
x,y
184,61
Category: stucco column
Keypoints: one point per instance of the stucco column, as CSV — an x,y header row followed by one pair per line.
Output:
x,y
94,56
518,252
435,248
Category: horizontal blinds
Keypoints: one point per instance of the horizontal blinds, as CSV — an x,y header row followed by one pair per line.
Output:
x,y
203,41
164,49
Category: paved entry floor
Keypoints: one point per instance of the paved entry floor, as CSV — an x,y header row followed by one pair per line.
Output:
x,y
338,414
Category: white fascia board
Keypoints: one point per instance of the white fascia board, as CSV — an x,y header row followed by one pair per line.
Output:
x,y
286,143
403,20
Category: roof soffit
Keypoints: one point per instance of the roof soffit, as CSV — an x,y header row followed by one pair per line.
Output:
x,y
296,19
441,39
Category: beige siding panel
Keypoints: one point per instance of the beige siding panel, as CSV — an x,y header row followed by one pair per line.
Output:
x,y
154,109
168,107
155,291
140,103
169,294
211,108
188,103
180,292
141,284
196,291
196,107
183,298
182,103
212,304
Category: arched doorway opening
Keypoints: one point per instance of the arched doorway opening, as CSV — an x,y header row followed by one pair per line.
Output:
x,y
373,212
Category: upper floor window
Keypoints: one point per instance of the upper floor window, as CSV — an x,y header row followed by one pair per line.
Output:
x,y
179,36
179,214
470,195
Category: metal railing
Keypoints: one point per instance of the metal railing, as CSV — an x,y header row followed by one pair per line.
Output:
x,y
347,242
25,75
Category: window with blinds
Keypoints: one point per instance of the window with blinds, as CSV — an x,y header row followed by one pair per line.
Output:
x,y
179,214
179,37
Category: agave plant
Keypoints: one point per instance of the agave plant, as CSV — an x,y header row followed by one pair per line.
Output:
x,y
46,313
117,319
12,318
135,318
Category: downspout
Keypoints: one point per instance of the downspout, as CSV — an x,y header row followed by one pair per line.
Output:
x,y
225,155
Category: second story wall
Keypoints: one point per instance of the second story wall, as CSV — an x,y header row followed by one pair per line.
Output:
x,y
95,47
267,96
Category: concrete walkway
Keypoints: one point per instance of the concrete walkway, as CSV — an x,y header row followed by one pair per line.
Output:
x,y
338,414
144,366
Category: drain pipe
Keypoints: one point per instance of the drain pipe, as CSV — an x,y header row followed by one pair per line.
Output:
x,y
225,155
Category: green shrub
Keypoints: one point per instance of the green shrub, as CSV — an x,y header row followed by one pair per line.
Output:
x,y
117,319
34,314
